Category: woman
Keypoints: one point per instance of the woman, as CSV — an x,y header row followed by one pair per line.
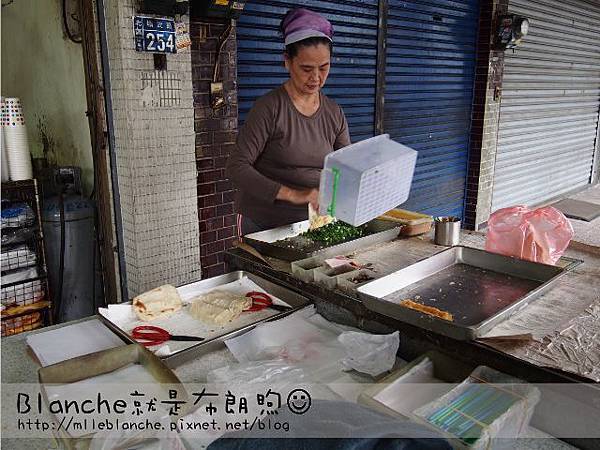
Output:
x,y
281,148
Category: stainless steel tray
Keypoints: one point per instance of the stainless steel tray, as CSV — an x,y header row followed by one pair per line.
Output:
x,y
296,301
478,288
264,241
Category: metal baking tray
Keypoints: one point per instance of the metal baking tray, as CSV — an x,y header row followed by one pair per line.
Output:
x,y
479,288
296,301
105,363
266,242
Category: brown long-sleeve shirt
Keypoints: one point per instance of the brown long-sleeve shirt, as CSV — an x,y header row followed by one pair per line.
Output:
x,y
278,146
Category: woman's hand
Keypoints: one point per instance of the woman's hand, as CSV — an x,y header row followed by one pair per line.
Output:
x,y
299,197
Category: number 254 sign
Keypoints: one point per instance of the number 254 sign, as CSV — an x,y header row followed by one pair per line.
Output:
x,y
154,35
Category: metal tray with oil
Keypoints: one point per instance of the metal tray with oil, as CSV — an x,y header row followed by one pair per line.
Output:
x,y
479,289
102,368
215,340
272,242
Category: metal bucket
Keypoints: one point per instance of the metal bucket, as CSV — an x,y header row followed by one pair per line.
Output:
x,y
447,231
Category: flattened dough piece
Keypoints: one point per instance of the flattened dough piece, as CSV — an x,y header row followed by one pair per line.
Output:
x,y
159,302
218,307
226,299
212,314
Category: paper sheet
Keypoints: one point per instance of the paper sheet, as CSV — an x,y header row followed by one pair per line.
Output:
x,y
70,341
182,323
115,385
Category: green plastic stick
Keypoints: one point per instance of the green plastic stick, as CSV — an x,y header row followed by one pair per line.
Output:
x,y
336,180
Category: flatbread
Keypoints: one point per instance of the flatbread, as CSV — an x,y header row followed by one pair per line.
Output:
x,y
218,307
159,302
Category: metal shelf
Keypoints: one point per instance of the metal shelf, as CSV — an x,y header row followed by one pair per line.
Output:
x,y
30,298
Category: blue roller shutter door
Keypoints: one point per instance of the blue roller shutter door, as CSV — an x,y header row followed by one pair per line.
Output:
x,y
430,67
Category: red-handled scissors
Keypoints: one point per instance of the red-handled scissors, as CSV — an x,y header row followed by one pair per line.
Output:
x,y
261,301
149,335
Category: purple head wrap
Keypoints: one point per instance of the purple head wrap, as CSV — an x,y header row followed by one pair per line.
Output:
x,y
302,24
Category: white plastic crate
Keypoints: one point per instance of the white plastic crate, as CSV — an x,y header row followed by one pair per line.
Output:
x,y
366,179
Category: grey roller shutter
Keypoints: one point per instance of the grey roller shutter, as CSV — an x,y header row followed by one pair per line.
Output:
x,y
550,103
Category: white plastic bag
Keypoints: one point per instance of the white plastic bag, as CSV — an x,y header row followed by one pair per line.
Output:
x,y
372,354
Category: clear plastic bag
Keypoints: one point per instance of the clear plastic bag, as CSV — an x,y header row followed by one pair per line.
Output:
x,y
139,440
17,235
17,215
293,339
272,372
314,344
272,380
540,235
19,275
367,353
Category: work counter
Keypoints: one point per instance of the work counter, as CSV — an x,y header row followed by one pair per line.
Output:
x,y
564,322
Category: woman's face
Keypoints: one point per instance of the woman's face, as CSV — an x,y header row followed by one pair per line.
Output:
x,y
309,68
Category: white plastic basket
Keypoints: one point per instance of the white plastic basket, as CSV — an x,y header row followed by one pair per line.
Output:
x,y
366,179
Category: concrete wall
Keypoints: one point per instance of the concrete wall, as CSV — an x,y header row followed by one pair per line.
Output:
x,y
156,164
45,69
485,116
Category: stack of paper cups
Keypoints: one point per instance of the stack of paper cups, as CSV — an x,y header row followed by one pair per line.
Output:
x,y
4,161
15,138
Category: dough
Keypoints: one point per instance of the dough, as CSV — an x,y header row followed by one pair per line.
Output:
x,y
219,307
159,302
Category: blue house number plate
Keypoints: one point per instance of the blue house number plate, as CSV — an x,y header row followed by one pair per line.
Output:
x,y
155,35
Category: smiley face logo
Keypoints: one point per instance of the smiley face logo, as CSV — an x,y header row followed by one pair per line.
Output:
x,y
299,401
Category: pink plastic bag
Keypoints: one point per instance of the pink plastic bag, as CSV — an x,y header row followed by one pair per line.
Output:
x,y
540,235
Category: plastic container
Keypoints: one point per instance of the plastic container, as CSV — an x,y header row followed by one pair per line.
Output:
x,y
346,284
327,276
304,269
486,430
364,180
413,223
397,395
421,387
